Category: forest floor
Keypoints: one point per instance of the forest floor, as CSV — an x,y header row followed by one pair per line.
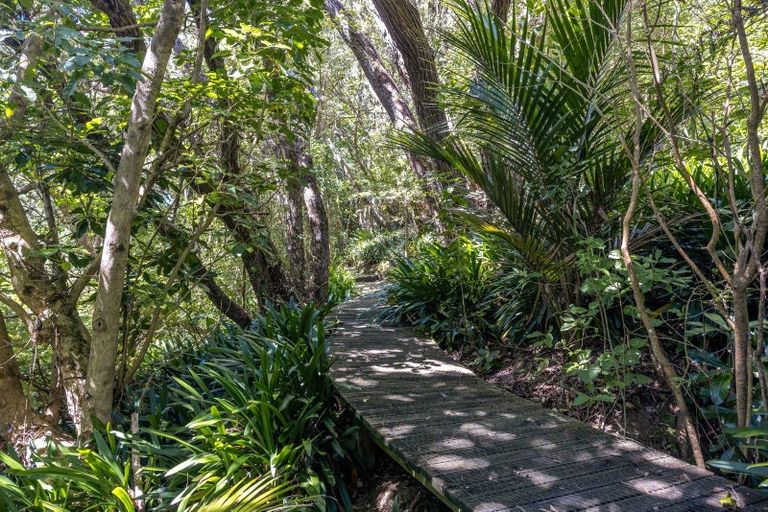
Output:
x,y
388,488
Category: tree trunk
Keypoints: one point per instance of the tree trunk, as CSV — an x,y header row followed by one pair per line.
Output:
x,y
401,17
265,273
320,249
294,236
741,364
204,277
301,162
389,95
114,258
660,358
501,9
121,15
13,403
750,259
222,301
382,83
57,322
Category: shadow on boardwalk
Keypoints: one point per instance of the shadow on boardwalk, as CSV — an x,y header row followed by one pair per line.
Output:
x,y
481,448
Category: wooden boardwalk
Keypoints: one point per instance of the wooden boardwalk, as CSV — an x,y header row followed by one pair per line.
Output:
x,y
480,448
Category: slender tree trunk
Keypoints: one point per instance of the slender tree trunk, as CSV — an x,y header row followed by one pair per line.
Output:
x,y
265,272
750,258
760,349
741,363
380,80
294,236
389,95
320,249
218,297
114,259
663,365
222,301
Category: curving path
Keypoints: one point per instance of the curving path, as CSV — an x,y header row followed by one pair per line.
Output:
x,y
480,448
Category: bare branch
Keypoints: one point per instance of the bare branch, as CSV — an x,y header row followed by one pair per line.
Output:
x,y
125,28
82,281
16,308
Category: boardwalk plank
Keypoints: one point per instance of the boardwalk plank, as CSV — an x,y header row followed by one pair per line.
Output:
x,y
482,449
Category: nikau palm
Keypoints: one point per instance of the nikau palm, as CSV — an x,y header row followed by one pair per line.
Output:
x,y
540,128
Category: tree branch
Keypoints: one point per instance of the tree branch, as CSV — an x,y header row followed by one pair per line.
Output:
x,y
125,28
82,281
16,308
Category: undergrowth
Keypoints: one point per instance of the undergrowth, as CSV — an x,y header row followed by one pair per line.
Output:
x,y
246,422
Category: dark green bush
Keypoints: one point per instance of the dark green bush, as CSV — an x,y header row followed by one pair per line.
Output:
x,y
245,422
444,291
341,285
368,249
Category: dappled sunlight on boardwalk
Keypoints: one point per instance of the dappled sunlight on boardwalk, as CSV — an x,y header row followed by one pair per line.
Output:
x,y
483,449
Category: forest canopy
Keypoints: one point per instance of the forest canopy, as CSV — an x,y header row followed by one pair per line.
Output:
x,y
569,192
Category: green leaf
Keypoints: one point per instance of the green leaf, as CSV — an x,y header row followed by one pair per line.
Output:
x,y
739,467
124,498
743,432
194,461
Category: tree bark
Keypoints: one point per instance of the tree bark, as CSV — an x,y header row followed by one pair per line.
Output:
x,y
320,250
660,358
380,80
741,362
13,403
121,15
501,9
404,26
294,236
114,259
57,322
749,259
265,272
388,93
222,301
297,152
218,297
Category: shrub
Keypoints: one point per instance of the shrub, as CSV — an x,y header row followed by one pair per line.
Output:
x,y
245,422
341,285
70,478
444,291
368,249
